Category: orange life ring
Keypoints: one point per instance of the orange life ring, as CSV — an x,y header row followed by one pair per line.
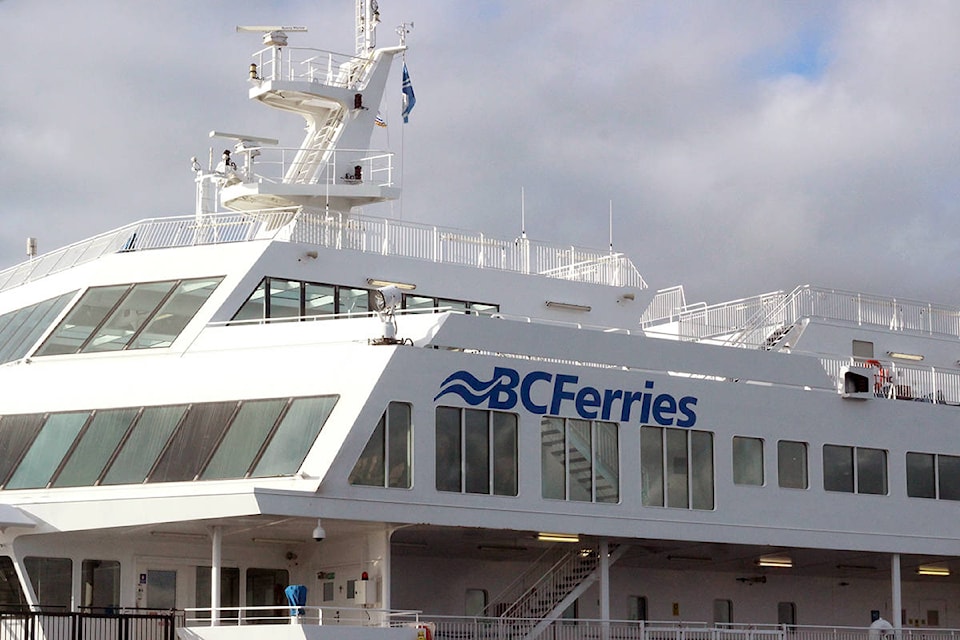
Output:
x,y
882,377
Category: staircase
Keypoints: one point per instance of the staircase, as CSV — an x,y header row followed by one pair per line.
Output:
x,y
569,574
775,338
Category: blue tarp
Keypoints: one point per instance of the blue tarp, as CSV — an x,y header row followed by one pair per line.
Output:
x,y
297,597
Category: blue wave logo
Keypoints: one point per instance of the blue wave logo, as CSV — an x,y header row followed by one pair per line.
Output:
x,y
471,389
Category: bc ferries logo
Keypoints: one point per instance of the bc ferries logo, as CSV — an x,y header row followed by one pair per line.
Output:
x,y
540,392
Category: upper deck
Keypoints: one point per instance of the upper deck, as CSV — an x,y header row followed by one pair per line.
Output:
x,y
361,233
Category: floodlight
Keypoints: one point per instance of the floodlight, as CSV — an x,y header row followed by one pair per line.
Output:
x,y
386,299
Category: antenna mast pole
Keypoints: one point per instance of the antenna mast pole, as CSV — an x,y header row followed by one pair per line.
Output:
x,y
368,17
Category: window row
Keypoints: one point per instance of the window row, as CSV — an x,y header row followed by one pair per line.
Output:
x,y
52,579
204,441
129,316
846,469
20,329
282,298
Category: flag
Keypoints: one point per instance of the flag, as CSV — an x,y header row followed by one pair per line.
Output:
x,y
408,98
380,122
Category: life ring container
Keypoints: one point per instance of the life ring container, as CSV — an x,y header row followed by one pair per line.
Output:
x,y
424,632
881,377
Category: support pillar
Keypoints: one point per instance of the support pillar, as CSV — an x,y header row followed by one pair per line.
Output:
x,y
895,595
216,536
604,589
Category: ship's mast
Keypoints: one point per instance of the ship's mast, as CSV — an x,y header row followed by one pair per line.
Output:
x,y
368,17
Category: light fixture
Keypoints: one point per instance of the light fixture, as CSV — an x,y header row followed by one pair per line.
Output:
x,y
916,357
558,537
689,558
933,570
406,286
286,541
180,535
775,561
569,306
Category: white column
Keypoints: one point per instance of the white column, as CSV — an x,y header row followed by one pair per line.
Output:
x,y
216,535
604,589
897,604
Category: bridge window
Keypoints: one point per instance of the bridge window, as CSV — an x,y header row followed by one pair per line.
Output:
x,y
476,451
47,450
933,476
20,329
16,435
144,444
94,448
129,316
792,464
100,585
386,460
250,428
579,460
747,460
854,469
676,468
51,579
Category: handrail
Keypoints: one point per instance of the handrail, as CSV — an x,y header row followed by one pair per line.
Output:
x,y
363,233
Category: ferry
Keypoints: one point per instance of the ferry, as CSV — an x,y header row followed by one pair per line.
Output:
x,y
283,415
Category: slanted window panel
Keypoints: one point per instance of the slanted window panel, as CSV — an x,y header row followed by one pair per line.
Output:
x,y
921,475
319,299
651,466
145,442
871,471
370,467
837,468
16,434
504,454
387,457
284,299
47,450
51,579
792,464
448,449
175,313
17,340
191,445
295,435
89,312
129,317
11,595
553,458
354,301
476,436
95,447
948,474
747,460
245,438
255,307
100,585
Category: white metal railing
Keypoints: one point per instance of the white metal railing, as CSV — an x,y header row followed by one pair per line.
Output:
x,y
311,65
357,233
272,164
307,615
896,381
460,628
744,322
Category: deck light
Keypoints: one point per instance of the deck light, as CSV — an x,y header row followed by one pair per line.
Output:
x,y
568,306
405,286
775,561
916,357
933,570
558,537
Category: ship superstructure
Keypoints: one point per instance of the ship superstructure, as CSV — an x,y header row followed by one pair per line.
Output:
x,y
439,432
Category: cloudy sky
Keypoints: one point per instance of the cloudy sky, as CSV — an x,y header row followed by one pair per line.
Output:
x,y
746,146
